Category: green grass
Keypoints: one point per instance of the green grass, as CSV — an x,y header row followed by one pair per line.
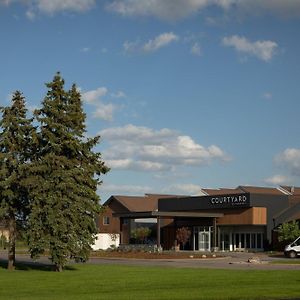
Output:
x,y
286,262
128,282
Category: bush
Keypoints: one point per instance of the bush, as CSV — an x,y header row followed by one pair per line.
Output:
x,y
182,235
288,232
140,234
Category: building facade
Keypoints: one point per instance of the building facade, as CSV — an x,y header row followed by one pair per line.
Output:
x,y
237,219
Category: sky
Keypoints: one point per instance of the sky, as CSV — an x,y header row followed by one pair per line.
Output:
x,y
185,94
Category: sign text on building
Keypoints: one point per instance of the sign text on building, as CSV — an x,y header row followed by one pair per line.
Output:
x,y
230,200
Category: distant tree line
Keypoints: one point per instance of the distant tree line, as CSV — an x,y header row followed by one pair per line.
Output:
x,y
49,175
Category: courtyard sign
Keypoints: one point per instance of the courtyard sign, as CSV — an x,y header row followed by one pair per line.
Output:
x,y
241,200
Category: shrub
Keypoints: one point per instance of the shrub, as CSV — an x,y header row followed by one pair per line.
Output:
x,y
141,233
182,235
288,232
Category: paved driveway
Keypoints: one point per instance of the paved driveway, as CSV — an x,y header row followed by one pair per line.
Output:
x,y
229,261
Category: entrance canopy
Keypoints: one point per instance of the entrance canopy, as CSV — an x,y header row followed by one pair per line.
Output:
x,y
183,214
241,200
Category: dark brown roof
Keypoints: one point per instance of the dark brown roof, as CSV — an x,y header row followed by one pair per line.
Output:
x,y
261,190
222,191
289,214
149,202
141,203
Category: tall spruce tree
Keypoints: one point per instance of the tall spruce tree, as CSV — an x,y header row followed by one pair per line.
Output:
x,y
15,140
63,179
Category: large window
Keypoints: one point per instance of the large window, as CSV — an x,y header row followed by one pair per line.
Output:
x,y
225,241
239,241
247,241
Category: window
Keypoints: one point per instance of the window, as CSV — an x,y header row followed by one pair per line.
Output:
x,y
105,220
259,240
253,240
248,244
242,240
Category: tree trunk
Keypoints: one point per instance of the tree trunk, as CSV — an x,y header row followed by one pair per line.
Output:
x,y
58,268
11,242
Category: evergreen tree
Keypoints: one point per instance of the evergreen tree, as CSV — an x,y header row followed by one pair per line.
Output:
x,y
15,141
63,179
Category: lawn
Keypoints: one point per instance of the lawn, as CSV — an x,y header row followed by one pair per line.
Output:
x,y
128,282
286,262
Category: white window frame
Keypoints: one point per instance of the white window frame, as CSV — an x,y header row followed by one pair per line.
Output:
x,y
106,220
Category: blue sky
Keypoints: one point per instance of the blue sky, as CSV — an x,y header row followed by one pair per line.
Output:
x,y
186,94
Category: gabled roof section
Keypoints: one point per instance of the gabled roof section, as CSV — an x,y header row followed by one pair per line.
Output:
x,y
293,190
222,191
289,214
146,203
261,190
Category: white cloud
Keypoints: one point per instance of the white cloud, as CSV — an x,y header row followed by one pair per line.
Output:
x,y
285,9
130,46
184,189
277,180
118,94
166,9
142,148
264,50
196,49
267,95
290,159
6,2
53,6
30,14
130,164
163,9
94,96
174,189
104,111
160,41
136,133
173,10
85,49
124,189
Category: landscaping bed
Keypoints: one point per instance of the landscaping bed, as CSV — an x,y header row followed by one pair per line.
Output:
x,y
153,255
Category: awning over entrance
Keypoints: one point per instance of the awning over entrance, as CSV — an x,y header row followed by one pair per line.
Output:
x,y
183,214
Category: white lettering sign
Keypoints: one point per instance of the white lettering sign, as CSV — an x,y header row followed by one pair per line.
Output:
x,y
232,200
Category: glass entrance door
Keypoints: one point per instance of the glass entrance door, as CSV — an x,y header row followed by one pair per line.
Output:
x,y
204,241
202,238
